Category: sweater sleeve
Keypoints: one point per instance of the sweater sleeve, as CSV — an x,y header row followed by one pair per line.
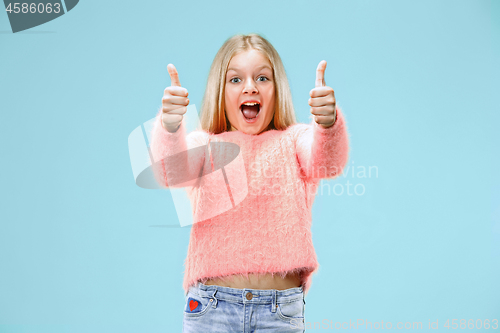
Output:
x,y
178,158
323,152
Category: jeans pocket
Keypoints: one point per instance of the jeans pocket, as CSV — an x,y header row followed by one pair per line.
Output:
x,y
291,311
196,305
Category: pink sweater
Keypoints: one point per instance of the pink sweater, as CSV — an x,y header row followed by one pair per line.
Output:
x,y
255,217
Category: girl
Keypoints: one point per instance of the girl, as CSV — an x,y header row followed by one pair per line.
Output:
x,y
249,268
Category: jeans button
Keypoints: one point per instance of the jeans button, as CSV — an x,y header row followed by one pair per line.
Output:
x,y
249,296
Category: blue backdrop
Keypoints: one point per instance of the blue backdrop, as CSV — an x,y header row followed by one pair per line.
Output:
x,y
84,249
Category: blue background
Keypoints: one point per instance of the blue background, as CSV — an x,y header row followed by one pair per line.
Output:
x,y
84,249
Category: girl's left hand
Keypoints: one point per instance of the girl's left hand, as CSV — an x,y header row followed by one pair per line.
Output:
x,y
322,99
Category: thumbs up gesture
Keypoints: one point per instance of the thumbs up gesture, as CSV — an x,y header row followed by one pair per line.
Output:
x,y
322,99
174,102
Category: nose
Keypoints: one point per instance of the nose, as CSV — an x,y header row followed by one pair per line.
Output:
x,y
250,87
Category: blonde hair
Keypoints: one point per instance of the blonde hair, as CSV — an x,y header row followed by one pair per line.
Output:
x,y
213,117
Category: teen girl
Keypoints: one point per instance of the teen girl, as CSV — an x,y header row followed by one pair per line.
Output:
x,y
249,268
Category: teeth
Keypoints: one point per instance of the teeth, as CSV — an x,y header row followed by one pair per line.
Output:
x,y
250,104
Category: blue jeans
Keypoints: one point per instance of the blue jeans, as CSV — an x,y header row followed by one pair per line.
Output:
x,y
211,308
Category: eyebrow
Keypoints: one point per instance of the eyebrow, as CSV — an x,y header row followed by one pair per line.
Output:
x,y
236,69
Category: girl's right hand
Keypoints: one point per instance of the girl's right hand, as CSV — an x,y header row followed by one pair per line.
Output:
x,y
174,102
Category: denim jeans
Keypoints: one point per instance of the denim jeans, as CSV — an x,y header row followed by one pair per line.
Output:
x,y
212,308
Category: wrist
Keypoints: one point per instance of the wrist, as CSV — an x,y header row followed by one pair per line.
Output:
x,y
334,120
170,128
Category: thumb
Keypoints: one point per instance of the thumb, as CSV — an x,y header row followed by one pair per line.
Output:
x,y
174,76
320,74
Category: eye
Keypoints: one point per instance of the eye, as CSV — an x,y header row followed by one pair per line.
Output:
x,y
234,78
263,77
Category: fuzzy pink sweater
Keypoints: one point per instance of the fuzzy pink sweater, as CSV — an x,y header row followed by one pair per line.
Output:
x,y
252,205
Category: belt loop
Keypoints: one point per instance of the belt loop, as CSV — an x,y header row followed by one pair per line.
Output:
x,y
214,302
273,306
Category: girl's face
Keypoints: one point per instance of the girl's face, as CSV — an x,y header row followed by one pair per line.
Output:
x,y
249,79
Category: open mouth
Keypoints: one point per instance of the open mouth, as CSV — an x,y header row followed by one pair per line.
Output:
x,y
250,110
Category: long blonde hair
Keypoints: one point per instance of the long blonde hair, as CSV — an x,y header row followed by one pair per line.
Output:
x,y
213,118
